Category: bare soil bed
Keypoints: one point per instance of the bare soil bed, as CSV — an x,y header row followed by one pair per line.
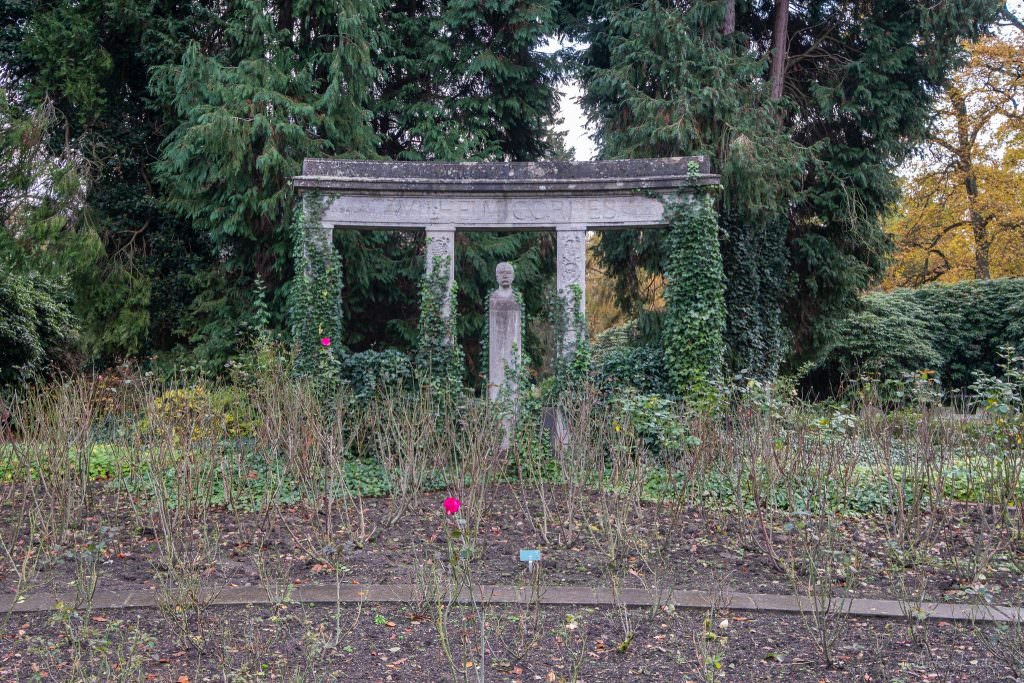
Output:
x,y
684,548
400,643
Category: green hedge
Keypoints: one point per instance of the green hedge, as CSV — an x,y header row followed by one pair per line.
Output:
x,y
369,372
623,357
956,330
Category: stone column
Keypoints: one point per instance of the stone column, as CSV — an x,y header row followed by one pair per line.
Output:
x,y
320,241
316,239
318,286
441,244
571,263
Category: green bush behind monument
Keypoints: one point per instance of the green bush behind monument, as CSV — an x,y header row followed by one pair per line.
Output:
x,y
955,330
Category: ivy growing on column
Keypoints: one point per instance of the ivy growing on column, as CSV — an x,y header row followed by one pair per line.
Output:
x,y
572,361
439,359
694,329
315,297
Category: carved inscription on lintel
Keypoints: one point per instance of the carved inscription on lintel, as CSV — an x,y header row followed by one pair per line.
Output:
x,y
398,211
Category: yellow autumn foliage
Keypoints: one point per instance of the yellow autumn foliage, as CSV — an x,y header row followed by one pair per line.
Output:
x,y
962,212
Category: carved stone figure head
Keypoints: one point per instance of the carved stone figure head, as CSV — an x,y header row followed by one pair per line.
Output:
x,y
505,274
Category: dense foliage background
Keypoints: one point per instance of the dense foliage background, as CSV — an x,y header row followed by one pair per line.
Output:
x,y
146,145
955,331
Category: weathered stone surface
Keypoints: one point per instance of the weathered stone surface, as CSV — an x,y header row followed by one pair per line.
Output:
x,y
664,173
505,337
482,212
571,278
441,251
480,196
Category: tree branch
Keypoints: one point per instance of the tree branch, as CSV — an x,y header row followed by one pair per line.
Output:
x,y
1012,18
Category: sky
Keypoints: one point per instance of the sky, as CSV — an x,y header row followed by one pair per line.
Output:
x,y
574,122
577,132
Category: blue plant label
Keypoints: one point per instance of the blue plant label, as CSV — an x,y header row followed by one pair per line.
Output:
x,y
529,555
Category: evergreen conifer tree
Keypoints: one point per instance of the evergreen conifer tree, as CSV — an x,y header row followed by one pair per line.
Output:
x,y
275,83
457,80
807,165
126,256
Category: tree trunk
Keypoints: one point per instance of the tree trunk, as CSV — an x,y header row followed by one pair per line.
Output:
x,y
285,20
780,39
965,165
729,27
1012,18
982,246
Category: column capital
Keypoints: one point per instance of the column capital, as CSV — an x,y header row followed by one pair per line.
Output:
x,y
570,227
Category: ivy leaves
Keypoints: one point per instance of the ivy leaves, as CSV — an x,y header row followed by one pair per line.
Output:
x,y
694,328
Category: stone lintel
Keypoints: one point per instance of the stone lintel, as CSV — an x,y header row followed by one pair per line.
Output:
x,y
512,212
404,195
666,174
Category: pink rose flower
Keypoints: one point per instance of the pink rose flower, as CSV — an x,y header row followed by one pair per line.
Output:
x,y
325,341
451,505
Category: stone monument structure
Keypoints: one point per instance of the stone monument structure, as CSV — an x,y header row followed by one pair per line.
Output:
x,y
505,336
569,197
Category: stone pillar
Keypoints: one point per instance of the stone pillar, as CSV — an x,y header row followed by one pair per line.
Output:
x,y
320,241
571,263
441,244
316,239
318,288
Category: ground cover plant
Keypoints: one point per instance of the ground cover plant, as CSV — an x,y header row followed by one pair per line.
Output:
x,y
188,488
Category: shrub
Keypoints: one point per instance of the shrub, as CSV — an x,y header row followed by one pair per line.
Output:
x,y
972,321
195,413
622,358
36,328
657,421
957,330
368,372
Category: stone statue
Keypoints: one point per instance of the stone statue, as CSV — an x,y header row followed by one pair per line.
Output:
x,y
505,337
